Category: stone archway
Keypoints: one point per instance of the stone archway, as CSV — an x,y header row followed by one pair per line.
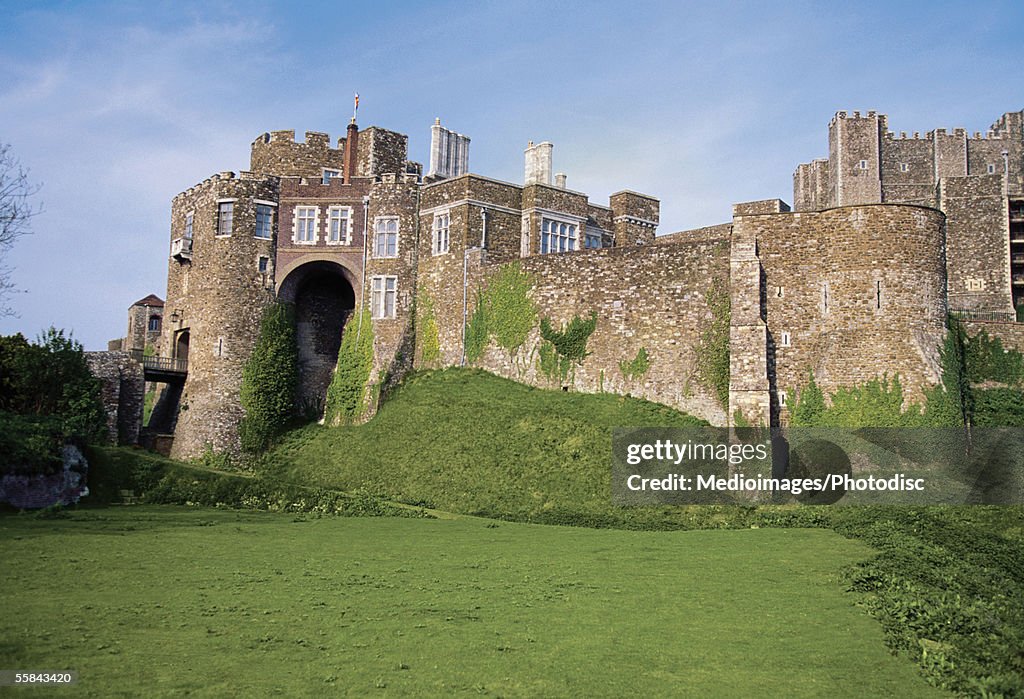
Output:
x,y
324,297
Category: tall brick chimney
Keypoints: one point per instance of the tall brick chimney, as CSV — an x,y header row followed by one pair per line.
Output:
x,y
351,145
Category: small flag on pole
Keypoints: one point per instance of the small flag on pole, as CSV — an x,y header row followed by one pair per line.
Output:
x,y
355,108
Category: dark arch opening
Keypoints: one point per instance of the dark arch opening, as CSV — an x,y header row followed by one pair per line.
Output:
x,y
181,345
324,299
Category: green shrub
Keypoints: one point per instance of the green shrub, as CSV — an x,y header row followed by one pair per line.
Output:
x,y
30,444
50,378
270,379
346,396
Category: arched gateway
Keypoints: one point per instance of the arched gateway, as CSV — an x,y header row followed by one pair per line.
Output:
x,y
324,296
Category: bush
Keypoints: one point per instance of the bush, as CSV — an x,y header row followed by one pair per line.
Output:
x,y
270,379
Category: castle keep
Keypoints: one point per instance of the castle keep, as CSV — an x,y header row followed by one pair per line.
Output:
x,y
887,235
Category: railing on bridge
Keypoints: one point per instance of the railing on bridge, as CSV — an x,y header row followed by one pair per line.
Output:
x,y
996,316
161,365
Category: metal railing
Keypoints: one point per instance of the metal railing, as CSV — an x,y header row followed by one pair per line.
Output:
x,y
995,316
166,365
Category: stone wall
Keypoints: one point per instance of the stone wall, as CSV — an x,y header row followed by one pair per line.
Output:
x,y
216,300
707,234
123,393
977,243
381,151
393,342
1010,334
652,297
277,153
852,293
854,157
636,217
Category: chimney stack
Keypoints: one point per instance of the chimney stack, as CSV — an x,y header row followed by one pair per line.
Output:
x,y
538,163
351,146
560,180
449,152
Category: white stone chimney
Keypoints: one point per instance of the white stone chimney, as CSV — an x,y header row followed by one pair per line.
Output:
x,y
538,163
449,152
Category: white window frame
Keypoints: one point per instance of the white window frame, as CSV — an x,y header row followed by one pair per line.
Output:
x,y
263,261
225,206
862,165
380,245
262,205
991,169
345,236
190,218
329,174
567,240
305,217
441,233
783,399
384,297
904,167
786,340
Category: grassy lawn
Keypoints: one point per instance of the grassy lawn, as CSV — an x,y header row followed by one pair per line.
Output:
x,y
150,601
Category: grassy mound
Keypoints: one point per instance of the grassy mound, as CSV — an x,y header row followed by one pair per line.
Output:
x,y
471,442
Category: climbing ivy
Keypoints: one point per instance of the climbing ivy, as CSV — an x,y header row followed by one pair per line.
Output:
x,y
713,352
346,396
563,350
879,402
987,360
270,379
637,367
430,343
504,313
511,313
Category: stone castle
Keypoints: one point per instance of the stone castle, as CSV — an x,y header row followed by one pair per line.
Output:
x,y
888,234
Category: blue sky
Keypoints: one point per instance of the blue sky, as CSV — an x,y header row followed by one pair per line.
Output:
x,y
116,107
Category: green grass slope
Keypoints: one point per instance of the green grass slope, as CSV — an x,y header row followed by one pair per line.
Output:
x,y
471,442
161,601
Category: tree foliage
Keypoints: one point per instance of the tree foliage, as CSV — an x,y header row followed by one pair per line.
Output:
x,y
270,379
48,395
50,378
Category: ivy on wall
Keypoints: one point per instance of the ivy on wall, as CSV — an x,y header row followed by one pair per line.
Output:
x,y
879,402
346,396
637,367
988,360
563,350
504,313
430,343
270,379
713,351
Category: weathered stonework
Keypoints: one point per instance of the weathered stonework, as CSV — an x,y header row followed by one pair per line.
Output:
x,y
888,234
123,389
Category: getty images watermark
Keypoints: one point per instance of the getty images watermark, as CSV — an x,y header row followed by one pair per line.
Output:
x,y
707,465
